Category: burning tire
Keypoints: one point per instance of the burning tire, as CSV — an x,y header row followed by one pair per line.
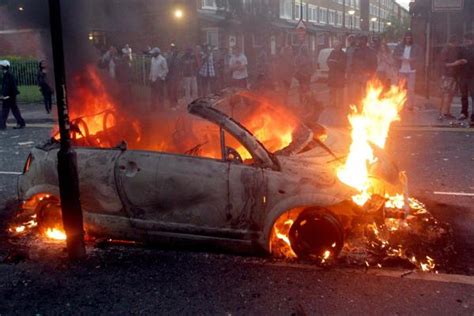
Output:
x,y
316,234
49,219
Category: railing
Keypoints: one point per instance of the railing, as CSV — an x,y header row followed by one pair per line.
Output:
x,y
25,72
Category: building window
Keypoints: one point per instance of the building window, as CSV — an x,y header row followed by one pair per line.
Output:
x,y
298,11
212,36
339,18
209,4
312,13
323,15
286,9
332,17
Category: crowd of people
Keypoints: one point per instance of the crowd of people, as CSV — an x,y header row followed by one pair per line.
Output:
x,y
352,68
457,63
197,71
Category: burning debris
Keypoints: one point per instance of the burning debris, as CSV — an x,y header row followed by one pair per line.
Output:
x,y
389,224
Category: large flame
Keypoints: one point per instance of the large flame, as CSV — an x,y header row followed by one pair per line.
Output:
x,y
370,126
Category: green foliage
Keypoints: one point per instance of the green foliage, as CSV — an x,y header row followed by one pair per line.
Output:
x,y
29,94
395,31
18,59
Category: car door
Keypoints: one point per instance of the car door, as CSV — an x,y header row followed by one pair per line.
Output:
x,y
247,189
172,192
247,197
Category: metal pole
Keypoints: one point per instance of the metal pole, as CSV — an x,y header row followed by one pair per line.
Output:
x,y
344,13
301,10
67,160
428,57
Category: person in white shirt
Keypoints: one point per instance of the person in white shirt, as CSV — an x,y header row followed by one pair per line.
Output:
x,y
158,72
238,66
409,58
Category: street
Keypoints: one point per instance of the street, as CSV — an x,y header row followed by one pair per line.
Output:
x,y
137,279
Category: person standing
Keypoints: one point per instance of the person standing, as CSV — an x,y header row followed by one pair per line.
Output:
x,y
285,67
263,81
304,72
173,77
238,66
351,86
45,87
409,57
386,69
158,72
8,96
337,62
207,72
189,69
467,77
109,61
123,73
450,69
364,66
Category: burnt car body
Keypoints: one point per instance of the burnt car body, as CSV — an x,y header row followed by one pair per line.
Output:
x,y
158,196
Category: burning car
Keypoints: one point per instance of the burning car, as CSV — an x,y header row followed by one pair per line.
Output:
x,y
287,201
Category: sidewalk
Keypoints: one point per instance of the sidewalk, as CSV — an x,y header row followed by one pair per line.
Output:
x,y
425,114
34,113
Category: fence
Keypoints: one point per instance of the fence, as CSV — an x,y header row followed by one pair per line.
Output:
x,y
25,71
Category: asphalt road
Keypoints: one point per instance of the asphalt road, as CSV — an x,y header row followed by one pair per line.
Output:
x,y
135,279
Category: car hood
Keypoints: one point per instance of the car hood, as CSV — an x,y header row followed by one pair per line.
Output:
x,y
326,152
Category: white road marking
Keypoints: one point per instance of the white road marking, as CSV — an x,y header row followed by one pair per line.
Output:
x,y
454,193
12,173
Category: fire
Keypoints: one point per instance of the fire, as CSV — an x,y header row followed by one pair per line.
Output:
x,y
55,234
370,126
274,132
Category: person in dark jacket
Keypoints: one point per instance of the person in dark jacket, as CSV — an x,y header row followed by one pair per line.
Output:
x,y
173,58
467,77
45,87
450,64
364,66
337,62
304,72
9,93
189,69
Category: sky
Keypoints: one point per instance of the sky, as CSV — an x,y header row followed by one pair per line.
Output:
x,y
404,3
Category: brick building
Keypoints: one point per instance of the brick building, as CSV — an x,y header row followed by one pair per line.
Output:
x,y
22,34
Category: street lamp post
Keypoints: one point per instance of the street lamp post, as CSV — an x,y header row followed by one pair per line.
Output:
x,y
351,14
71,210
373,20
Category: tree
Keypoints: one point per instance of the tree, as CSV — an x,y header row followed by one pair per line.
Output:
x,y
397,28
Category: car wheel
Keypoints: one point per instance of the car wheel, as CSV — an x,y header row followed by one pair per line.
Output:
x,y
49,214
316,234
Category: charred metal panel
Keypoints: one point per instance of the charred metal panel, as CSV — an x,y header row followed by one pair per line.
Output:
x,y
170,188
247,198
96,176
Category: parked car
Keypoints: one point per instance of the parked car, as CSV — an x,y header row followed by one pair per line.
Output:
x,y
229,201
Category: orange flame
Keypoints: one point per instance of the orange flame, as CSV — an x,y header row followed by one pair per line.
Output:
x,y
55,234
369,126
